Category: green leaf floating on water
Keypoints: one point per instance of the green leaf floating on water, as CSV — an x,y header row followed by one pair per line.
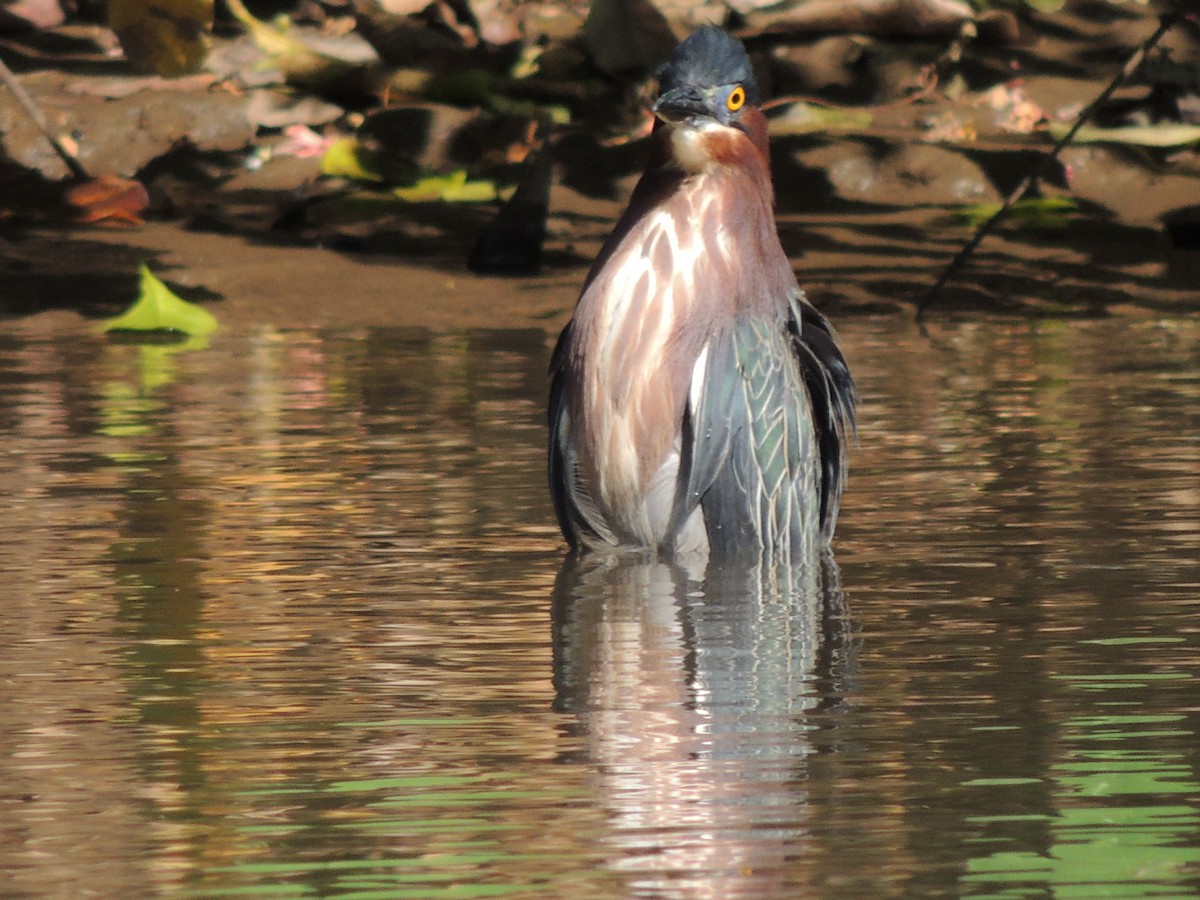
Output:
x,y
157,309
1037,212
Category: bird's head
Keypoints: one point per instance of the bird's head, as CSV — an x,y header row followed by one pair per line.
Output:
x,y
708,99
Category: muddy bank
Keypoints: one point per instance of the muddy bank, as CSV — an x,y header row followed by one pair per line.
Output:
x,y
851,262
870,197
246,285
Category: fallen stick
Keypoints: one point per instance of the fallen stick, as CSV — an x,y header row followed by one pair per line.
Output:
x,y
1165,24
35,114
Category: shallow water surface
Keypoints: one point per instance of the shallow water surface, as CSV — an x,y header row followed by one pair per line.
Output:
x,y
289,615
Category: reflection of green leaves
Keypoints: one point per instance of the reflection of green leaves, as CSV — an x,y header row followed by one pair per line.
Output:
x,y
1168,134
1119,682
1103,851
131,409
157,309
1036,212
156,362
126,411
1122,824
452,188
465,817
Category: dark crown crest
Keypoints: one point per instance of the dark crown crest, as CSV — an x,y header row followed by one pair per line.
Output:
x,y
710,57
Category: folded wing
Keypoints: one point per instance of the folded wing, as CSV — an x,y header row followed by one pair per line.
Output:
x,y
765,436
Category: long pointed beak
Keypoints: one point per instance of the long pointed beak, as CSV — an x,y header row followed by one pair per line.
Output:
x,y
681,104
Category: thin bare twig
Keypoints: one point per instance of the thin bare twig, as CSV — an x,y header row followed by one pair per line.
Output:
x,y
1166,23
35,115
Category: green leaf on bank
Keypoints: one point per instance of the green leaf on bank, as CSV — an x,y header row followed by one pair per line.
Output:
x,y
1035,212
158,309
479,88
1042,6
167,37
1047,6
302,62
452,188
346,158
1167,134
805,118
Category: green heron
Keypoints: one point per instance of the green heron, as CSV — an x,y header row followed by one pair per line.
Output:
x,y
698,402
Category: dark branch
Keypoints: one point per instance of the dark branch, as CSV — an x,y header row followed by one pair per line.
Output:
x,y
1166,23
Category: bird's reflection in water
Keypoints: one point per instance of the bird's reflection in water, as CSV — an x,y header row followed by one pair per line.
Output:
x,y
694,694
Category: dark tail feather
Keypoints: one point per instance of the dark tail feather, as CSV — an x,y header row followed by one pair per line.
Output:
x,y
831,389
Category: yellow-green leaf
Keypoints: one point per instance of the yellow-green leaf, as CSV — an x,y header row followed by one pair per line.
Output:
x,y
345,158
168,37
1035,212
452,188
157,309
301,63
804,118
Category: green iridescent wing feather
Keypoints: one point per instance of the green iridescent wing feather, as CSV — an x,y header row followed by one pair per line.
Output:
x,y
764,441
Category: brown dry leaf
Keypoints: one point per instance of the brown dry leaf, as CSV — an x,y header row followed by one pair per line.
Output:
x,y
109,198
169,37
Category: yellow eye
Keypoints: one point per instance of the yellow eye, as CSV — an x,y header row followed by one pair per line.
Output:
x,y
736,99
